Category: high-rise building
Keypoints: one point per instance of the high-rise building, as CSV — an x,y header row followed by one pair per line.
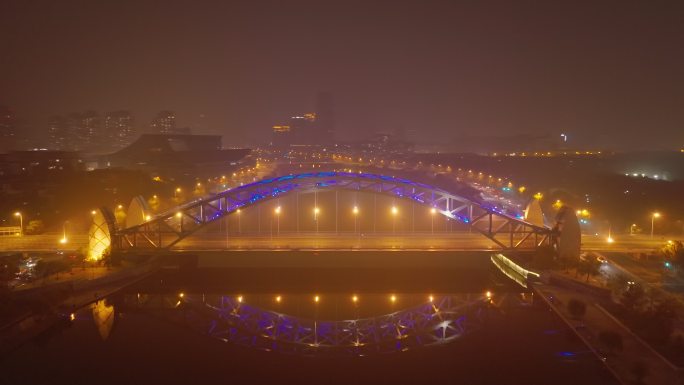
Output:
x,y
92,132
119,130
164,123
84,132
282,136
310,129
301,131
58,133
77,132
8,129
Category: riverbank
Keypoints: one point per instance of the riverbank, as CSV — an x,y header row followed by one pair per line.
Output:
x,y
624,362
43,307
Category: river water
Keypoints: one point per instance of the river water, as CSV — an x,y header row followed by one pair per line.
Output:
x,y
311,325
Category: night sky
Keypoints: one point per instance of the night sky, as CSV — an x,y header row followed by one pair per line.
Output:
x,y
607,73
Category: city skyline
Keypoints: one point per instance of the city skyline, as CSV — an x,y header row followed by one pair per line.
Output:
x,y
365,192
602,72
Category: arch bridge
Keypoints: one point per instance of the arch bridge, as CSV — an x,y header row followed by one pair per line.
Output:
x,y
163,231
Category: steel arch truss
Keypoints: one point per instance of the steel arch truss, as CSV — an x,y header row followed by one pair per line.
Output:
x,y
167,229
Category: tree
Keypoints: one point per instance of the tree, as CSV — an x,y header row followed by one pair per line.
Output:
x,y
577,308
589,266
44,269
674,252
658,322
612,340
35,226
633,298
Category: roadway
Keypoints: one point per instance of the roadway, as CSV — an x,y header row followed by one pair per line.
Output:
x,y
330,240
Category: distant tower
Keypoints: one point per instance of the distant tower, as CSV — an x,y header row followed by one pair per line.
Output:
x,y
119,129
164,123
8,129
282,136
58,132
325,119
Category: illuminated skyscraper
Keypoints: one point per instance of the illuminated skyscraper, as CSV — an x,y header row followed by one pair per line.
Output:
x,y
164,123
77,132
310,129
83,132
119,129
282,136
90,131
58,133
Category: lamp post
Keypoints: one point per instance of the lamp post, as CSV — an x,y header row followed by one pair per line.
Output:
x,y
179,215
653,217
433,211
277,214
21,222
175,192
64,236
394,219
355,210
238,215
316,212
631,229
610,236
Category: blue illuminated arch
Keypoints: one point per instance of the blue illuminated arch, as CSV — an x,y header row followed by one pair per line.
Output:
x,y
507,230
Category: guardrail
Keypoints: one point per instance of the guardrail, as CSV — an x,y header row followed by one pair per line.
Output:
x,y
10,230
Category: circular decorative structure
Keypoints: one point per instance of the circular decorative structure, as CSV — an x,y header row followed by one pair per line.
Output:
x,y
569,237
99,236
138,212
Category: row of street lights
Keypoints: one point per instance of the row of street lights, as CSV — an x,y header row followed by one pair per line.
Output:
x,y
355,210
654,216
393,298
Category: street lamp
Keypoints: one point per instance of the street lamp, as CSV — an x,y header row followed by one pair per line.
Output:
x,y
277,213
631,229
176,192
433,211
355,210
610,237
64,237
238,215
179,215
653,217
316,212
395,211
21,222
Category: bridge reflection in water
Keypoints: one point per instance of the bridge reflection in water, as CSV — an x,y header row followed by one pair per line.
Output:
x,y
440,320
